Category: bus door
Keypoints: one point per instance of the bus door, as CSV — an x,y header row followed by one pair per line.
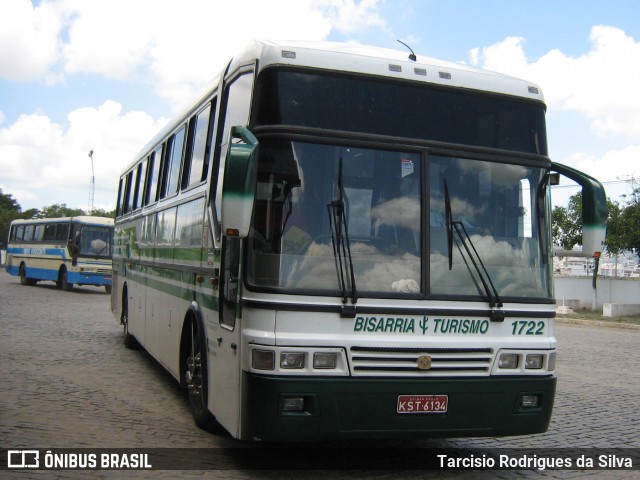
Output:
x,y
226,369
226,374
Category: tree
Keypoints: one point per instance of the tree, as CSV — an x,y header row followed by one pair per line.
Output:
x,y
60,210
99,212
629,229
9,210
566,223
623,223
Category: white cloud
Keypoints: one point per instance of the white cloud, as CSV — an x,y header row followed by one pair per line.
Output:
x,y
348,16
28,39
622,160
176,46
599,84
55,162
108,38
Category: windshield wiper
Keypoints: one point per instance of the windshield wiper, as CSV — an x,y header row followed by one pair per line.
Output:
x,y
342,249
463,240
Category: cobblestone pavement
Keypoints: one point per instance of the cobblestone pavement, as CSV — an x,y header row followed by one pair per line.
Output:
x,y
67,381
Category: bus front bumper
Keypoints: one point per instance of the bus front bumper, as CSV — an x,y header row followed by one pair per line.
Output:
x,y
352,408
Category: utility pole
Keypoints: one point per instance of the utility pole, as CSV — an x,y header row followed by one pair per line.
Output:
x,y
92,186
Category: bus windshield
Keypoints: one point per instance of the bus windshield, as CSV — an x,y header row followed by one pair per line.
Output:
x,y
95,241
394,210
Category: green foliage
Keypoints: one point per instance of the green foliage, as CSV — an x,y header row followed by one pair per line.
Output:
x,y
99,212
623,223
59,210
566,223
9,210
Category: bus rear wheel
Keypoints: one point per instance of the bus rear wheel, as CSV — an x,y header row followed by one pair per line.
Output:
x,y
129,340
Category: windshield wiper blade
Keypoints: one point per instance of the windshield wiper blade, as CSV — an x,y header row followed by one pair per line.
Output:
x,y
342,248
473,255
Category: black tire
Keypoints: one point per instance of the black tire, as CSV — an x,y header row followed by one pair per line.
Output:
x,y
24,280
195,375
63,280
128,339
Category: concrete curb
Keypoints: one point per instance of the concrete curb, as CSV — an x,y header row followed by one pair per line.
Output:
x,y
596,323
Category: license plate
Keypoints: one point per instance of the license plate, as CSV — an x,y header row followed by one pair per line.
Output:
x,y
422,403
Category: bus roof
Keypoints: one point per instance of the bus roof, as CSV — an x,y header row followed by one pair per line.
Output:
x,y
84,219
368,60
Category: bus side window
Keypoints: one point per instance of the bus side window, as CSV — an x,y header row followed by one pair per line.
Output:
x,y
28,233
155,160
62,232
126,188
198,148
174,159
38,233
210,136
120,206
50,232
131,186
137,193
140,187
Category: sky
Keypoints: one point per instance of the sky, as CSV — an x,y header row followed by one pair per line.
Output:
x,y
105,75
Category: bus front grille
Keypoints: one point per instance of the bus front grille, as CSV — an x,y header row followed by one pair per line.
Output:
x,y
421,362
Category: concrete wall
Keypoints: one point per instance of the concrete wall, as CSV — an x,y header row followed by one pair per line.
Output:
x,y
578,293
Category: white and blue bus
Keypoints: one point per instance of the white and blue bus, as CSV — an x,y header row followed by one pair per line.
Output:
x,y
68,251
335,241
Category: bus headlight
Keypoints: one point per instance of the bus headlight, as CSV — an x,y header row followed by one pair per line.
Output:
x,y
534,361
263,359
325,360
292,359
524,362
508,360
295,360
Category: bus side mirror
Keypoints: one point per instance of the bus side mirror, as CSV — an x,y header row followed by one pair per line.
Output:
x,y
239,184
594,210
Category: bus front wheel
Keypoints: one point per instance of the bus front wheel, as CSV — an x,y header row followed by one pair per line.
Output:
x,y
24,280
195,375
63,280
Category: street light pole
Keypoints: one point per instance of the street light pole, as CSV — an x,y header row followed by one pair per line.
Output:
x,y
92,186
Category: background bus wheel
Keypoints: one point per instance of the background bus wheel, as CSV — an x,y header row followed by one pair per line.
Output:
x,y
195,376
24,280
107,288
63,280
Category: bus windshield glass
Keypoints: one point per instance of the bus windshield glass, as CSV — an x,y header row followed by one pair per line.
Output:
x,y
394,217
95,241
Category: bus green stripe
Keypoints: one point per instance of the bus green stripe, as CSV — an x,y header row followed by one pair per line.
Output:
x,y
161,279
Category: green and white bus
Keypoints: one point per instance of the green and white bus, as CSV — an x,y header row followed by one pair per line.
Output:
x,y
68,251
335,241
